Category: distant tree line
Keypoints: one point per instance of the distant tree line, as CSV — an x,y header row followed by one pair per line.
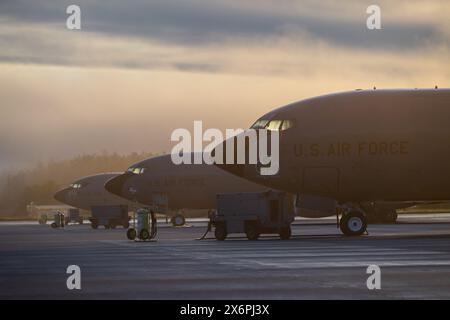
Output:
x,y
38,184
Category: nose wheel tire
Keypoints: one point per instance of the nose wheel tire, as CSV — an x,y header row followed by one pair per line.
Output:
x,y
353,223
178,220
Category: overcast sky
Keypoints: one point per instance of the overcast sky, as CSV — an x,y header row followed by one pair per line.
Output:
x,y
139,69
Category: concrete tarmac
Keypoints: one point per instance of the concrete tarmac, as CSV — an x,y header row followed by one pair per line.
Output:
x,y
318,262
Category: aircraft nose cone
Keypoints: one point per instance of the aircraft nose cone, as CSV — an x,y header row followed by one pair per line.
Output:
x,y
61,195
236,169
116,184
221,161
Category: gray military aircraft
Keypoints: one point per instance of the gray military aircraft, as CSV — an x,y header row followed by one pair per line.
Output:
x,y
89,191
158,182
360,146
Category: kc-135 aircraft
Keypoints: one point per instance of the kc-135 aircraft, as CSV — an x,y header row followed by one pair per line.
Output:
x,y
359,146
89,191
158,182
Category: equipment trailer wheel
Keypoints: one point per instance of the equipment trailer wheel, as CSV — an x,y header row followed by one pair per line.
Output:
x,y
285,233
131,234
252,231
353,223
144,235
220,232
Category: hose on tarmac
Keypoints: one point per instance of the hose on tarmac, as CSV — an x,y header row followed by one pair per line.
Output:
x,y
210,224
154,228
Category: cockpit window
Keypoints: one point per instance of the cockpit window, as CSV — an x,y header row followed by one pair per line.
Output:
x,y
76,186
136,170
260,124
273,125
287,124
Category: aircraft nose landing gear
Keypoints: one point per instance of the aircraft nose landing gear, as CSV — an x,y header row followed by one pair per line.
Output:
x,y
178,220
353,223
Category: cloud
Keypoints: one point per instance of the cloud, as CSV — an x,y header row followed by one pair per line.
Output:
x,y
295,53
138,69
59,111
407,24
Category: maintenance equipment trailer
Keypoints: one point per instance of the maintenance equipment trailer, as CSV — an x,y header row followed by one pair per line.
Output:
x,y
73,215
109,216
254,213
